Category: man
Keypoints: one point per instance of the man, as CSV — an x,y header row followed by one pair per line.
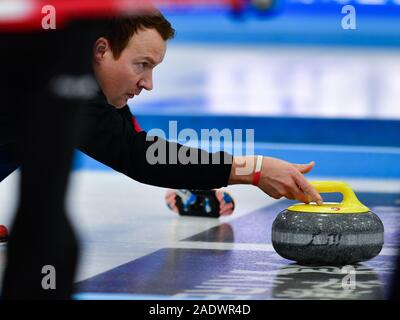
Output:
x,y
123,61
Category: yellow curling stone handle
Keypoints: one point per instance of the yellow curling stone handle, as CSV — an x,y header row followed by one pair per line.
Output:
x,y
349,204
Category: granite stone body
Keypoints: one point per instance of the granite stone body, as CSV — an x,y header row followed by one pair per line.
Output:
x,y
327,238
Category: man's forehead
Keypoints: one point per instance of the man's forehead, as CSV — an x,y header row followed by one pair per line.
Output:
x,y
147,44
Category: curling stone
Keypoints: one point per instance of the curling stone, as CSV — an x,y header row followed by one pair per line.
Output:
x,y
331,234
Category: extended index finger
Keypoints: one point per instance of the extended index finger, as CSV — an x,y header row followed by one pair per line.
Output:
x,y
308,188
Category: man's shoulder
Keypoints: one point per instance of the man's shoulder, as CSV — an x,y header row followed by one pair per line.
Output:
x,y
98,119
98,110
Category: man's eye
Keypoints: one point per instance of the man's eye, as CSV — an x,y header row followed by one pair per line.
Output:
x,y
139,67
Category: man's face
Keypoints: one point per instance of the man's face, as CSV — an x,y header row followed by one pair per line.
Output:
x,y
124,78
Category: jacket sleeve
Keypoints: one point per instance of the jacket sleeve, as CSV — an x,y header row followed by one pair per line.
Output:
x,y
108,136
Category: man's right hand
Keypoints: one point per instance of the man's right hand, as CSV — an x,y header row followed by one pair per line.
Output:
x,y
278,178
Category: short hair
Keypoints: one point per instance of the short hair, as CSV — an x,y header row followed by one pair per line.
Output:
x,y
120,30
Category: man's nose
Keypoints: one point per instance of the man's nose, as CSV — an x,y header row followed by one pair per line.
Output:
x,y
147,82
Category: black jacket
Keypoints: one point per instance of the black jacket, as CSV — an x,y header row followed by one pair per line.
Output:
x,y
108,135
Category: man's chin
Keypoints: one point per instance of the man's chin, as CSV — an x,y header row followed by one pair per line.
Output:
x,y
122,104
119,104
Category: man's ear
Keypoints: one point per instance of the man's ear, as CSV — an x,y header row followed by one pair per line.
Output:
x,y
101,47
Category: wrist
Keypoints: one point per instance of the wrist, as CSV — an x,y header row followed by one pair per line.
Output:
x,y
242,170
257,171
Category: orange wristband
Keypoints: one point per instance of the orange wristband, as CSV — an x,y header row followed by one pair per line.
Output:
x,y
257,171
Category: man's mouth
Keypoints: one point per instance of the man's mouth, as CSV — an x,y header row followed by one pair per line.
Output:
x,y
130,95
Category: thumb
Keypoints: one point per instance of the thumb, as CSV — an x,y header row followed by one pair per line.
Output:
x,y
305,168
